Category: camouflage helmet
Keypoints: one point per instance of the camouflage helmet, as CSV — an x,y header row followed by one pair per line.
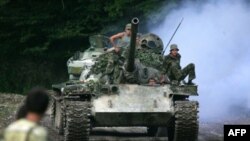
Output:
x,y
174,46
128,26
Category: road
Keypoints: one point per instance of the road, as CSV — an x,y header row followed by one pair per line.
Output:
x,y
208,131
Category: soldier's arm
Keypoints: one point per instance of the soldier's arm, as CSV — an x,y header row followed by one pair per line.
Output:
x,y
114,37
180,61
166,63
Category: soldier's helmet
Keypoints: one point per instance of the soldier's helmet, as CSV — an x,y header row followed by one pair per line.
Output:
x,y
128,26
174,46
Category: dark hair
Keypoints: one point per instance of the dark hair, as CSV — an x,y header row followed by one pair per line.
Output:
x,y
21,112
37,101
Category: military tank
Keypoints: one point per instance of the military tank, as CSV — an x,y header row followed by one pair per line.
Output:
x,y
131,101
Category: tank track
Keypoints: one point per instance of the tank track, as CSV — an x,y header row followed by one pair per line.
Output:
x,y
77,121
55,107
52,110
62,119
185,125
52,106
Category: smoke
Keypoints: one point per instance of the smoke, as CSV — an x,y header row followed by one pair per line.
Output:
x,y
215,35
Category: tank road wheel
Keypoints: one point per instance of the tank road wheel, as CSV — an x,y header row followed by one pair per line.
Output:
x,y
185,124
77,121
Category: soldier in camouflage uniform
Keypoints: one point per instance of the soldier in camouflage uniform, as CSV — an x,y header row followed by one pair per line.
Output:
x,y
27,128
113,69
171,66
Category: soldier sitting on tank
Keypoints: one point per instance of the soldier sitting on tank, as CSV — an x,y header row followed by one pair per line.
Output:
x,y
171,67
121,40
116,60
113,70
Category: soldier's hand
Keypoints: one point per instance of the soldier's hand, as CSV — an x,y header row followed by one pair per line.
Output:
x,y
117,49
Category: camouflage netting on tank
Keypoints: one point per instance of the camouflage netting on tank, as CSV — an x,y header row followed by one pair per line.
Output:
x,y
91,85
101,63
146,57
150,59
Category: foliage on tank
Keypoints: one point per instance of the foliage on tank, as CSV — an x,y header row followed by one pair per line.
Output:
x,y
149,58
146,56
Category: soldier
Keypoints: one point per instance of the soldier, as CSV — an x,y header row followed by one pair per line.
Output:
x,y
113,69
117,59
124,37
27,128
171,66
21,112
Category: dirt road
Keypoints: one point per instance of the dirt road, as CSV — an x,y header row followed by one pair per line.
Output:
x,y
208,131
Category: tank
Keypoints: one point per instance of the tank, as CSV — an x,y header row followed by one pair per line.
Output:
x,y
130,99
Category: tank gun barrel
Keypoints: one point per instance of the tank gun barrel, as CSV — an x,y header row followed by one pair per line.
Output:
x,y
131,52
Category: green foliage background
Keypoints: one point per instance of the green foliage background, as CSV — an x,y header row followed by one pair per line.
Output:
x,y
38,36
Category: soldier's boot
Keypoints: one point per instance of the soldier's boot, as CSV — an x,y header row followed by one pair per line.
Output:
x,y
187,83
190,82
183,82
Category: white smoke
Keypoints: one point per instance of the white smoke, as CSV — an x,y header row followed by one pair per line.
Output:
x,y
215,35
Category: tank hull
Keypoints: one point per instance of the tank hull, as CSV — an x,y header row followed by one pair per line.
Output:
x,y
126,119
134,105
